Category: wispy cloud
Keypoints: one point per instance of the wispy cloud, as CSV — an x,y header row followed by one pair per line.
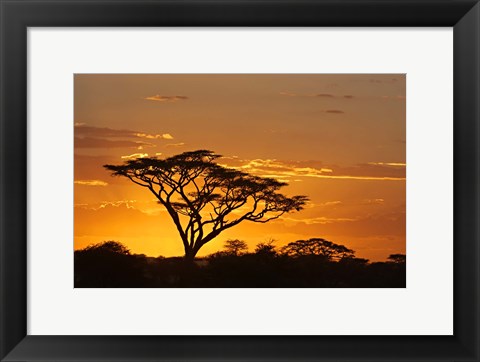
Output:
x,y
395,164
104,137
169,99
126,203
165,136
386,80
145,207
135,155
331,96
334,111
288,94
90,183
82,130
311,169
350,177
91,142
318,220
394,98
175,144
317,95
373,202
330,203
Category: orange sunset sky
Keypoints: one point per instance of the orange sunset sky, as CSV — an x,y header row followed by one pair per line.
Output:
x,y
339,139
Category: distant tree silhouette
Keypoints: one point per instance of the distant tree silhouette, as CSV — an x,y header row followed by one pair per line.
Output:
x,y
266,248
318,247
397,258
235,247
112,265
107,247
108,264
201,195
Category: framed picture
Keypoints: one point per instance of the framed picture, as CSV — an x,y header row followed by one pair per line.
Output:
x,y
239,181
248,214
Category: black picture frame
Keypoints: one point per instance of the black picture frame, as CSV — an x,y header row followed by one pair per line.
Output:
x,y
17,15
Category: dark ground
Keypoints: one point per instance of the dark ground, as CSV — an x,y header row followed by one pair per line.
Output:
x,y
100,268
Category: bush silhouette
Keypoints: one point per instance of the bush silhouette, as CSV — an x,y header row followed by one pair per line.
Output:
x,y
235,247
313,263
108,265
266,249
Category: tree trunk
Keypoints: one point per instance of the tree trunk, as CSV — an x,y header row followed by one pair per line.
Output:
x,y
188,269
189,255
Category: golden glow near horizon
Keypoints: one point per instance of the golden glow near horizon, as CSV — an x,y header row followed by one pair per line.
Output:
x,y
339,139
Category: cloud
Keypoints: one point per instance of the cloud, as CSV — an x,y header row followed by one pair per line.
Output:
x,y
81,130
384,79
144,207
135,155
394,98
104,137
384,222
330,203
91,142
90,183
317,95
126,203
332,96
289,94
334,111
175,144
169,99
165,136
314,169
318,220
395,164
373,202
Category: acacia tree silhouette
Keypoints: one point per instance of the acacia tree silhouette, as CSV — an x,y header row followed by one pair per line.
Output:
x,y
318,247
201,195
235,247
397,258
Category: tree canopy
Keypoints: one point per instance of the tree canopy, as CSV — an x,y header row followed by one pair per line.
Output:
x,y
317,247
204,198
235,246
397,258
266,248
108,247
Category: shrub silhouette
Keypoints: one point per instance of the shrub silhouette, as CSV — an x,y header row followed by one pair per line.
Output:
x,y
325,265
397,258
235,247
266,249
107,247
107,265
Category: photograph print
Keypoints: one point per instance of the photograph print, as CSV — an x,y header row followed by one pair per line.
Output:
x,y
239,181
